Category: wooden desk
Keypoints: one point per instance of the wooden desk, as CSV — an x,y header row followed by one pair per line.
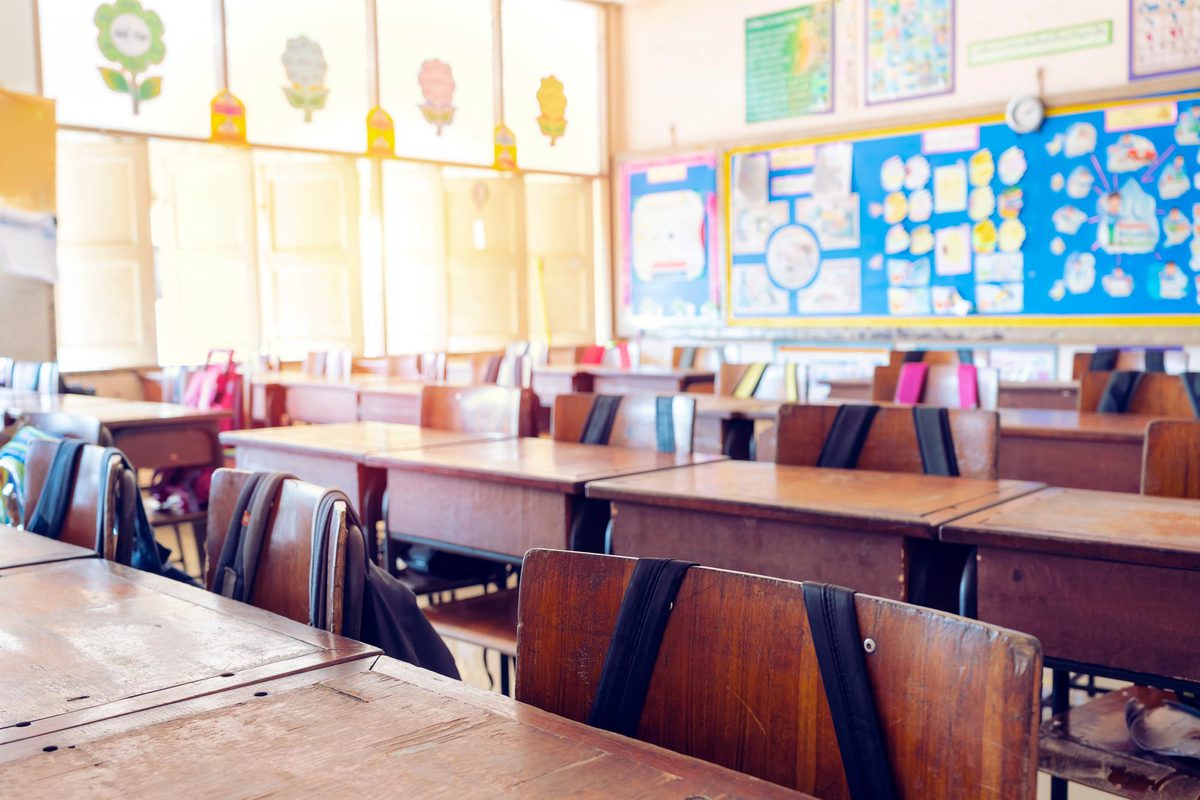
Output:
x,y
865,530
1106,579
94,640
277,397
398,402
334,455
22,549
726,424
501,498
651,379
1067,448
356,730
1013,394
152,435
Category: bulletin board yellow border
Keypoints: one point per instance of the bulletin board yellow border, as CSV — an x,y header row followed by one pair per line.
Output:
x,y
975,320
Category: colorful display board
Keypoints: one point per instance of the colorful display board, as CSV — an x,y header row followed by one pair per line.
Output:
x,y
1094,218
668,236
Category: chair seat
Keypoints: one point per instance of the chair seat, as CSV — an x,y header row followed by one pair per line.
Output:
x,y
1091,745
421,584
488,621
163,518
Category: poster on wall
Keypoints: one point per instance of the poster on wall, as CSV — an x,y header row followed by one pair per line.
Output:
x,y
668,237
1095,216
789,63
1164,37
910,49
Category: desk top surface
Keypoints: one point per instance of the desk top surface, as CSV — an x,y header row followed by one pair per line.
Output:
x,y
113,412
351,440
898,502
538,463
355,730
1112,526
1048,423
21,549
95,639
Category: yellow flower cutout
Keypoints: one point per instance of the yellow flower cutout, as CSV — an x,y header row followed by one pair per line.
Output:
x,y
553,104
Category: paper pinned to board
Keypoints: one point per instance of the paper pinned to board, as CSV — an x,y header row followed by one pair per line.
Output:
x,y
28,244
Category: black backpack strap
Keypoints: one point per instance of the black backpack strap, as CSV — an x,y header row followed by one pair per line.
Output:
x,y
1191,386
1156,361
664,424
247,528
1119,390
629,664
914,356
1103,360
598,426
844,442
839,646
356,548
55,500
935,441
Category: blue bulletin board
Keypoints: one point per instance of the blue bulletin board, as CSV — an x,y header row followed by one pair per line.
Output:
x,y
1093,219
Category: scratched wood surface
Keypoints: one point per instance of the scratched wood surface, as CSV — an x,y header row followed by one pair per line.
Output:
x,y
21,549
397,726
94,639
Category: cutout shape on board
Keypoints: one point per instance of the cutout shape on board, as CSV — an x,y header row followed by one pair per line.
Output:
x,y
953,250
437,88
1068,219
920,206
1079,273
793,257
1128,221
553,104
921,240
1080,140
1012,166
981,167
228,118
1130,153
381,133
668,236
1174,180
305,67
1176,228
981,203
1169,283
132,38
1117,283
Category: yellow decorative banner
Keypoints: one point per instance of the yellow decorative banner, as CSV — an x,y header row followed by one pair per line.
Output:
x,y
1142,115
228,116
381,133
505,149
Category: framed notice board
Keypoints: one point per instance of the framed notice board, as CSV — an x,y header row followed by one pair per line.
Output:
x,y
1094,219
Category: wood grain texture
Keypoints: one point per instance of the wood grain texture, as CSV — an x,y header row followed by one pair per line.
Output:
x,y
349,441
635,424
1091,745
1171,459
22,549
1158,394
1060,425
395,725
480,409
538,463
96,639
728,688
1121,527
891,444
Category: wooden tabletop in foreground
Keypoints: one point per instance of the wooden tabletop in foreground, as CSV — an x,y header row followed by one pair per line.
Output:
x,y
1113,526
538,463
350,439
897,502
93,640
356,731
22,549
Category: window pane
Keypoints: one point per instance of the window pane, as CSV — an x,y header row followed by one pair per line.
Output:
x,y
300,66
457,92
553,39
157,72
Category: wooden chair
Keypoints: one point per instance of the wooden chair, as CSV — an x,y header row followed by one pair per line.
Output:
x,y
1090,743
332,364
65,425
698,357
281,583
636,422
1131,359
737,683
786,381
891,445
896,357
411,366
30,376
480,409
1158,394
100,515
941,385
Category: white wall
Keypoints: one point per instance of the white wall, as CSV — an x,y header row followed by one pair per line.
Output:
x,y
683,67
18,71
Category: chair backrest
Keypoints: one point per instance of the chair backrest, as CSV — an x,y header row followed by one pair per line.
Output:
x,y
1171,459
1130,359
417,366
1158,393
891,445
736,681
697,356
941,385
480,409
333,364
786,381
65,425
281,582
636,422
30,376
93,518
927,356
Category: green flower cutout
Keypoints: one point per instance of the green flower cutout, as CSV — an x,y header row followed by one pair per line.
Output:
x,y
131,37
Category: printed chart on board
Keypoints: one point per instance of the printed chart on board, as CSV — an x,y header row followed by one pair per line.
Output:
x,y
1095,215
